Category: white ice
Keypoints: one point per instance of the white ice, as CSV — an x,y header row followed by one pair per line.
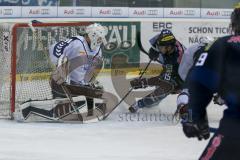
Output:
x,y
117,138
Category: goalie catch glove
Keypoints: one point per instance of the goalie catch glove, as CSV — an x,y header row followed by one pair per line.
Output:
x,y
60,75
199,129
138,83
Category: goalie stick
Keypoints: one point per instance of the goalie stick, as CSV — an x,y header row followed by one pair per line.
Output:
x,y
72,103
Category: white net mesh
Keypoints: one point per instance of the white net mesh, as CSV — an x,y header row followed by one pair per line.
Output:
x,y
33,67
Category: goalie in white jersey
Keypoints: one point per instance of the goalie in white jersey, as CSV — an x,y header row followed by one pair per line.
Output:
x,y
78,61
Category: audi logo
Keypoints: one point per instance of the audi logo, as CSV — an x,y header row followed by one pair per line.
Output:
x,y
80,11
189,12
226,13
117,12
45,11
152,12
7,12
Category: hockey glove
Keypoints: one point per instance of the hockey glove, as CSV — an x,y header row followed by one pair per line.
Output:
x,y
138,83
198,129
153,55
61,73
217,99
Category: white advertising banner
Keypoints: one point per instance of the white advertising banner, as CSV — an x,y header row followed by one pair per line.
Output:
x,y
146,12
10,11
119,12
187,32
182,12
216,13
74,11
38,11
109,11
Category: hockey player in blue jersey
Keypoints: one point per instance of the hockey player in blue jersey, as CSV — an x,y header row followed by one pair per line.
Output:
x,y
217,70
190,57
168,51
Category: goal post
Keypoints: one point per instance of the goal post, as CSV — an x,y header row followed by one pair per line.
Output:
x,y
24,62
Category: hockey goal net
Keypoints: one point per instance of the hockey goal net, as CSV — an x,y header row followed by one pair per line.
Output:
x,y
24,62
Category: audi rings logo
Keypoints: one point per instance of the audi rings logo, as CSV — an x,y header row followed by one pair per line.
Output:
x,y
45,11
80,11
116,12
226,13
152,12
189,12
7,12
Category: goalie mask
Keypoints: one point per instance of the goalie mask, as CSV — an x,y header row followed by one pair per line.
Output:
x,y
96,33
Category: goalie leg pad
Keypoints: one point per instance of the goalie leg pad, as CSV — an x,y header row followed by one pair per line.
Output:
x,y
27,111
63,109
57,112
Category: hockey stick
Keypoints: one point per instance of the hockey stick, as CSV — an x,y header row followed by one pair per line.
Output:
x,y
127,92
141,47
72,103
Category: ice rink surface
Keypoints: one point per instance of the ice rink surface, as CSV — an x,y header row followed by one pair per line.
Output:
x,y
120,137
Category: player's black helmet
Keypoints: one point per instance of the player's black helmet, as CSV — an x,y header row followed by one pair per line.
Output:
x,y
235,19
166,38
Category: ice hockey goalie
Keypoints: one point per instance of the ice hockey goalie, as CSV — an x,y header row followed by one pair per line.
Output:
x,y
78,61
